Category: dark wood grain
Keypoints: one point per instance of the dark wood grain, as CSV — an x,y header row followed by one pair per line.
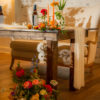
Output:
x,y
71,80
52,56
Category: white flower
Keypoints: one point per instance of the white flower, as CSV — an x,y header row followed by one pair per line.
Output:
x,y
54,82
41,50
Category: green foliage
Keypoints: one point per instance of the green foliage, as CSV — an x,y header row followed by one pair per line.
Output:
x,y
60,18
61,5
59,15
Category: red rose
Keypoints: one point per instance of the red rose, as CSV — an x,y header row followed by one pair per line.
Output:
x,y
27,84
20,73
48,88
44,12
35,70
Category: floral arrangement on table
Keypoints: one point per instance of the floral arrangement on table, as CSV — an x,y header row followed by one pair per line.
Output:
x,y
29,86
54,23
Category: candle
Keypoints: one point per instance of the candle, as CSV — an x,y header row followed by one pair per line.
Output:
x,y
53,17
48,15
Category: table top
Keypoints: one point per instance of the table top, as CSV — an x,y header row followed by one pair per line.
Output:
x,y
20,28
19,31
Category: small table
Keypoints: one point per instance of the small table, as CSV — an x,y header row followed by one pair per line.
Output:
x,y
52,38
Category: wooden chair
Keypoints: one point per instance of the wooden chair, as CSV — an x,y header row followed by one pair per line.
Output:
x,y
66,54
82,17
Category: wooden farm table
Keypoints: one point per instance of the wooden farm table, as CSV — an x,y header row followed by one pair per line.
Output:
x,y
52,38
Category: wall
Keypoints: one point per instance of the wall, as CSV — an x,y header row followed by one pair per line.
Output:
x,y
8,10
43,4
9,13
21,10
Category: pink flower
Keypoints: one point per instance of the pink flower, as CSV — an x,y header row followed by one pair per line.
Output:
x,y
44,12
27,85
35,82
20,73
48,88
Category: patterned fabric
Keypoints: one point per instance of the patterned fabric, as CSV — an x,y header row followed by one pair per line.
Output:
x,y
64,54
64,57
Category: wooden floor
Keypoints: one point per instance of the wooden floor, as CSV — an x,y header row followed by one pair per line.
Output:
x,y
90,92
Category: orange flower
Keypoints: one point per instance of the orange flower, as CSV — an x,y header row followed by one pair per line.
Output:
x,y
35,97
52,23
41,25
53,27
29,26
54,3
58,28
35,27
35,82
42,82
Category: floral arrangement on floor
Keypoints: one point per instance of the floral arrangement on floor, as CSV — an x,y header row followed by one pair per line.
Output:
x,y
57,21
29,86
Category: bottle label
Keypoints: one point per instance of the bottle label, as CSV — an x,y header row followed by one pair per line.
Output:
x,y
35,20
1,19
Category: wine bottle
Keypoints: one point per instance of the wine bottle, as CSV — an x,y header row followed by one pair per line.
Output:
x,y
1,16
1,11
35,16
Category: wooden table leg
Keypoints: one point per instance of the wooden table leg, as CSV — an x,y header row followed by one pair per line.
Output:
x,y
71,81
52,56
